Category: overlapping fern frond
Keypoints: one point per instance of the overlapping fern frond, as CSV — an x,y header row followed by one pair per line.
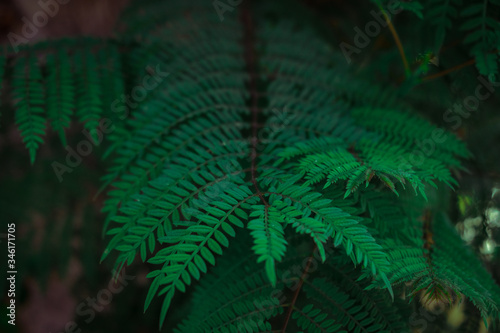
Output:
x,y
442,14
439,267
241,298
3,63
60,92
29,99
482,32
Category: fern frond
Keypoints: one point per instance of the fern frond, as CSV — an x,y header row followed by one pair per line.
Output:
x,y
270,243
404,128
386,314
162,203
348,312
454,262
191,246
441,15
66,75
3,64
304,224
232,288
336,164
255,132
29,99
251,148
112,80
414,6
388,214
340,164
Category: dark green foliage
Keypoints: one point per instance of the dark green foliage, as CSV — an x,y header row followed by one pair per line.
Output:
x,y
3,63
482,32
258,151
52,81
442,14
479,26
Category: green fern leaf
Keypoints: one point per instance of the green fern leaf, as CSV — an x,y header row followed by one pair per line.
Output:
x,y
270,242
313,320
3,64
190,249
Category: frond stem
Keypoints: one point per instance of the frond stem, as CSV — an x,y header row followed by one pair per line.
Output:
x,y
297,292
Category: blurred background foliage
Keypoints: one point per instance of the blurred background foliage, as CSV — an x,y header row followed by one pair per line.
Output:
x,y
59,224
